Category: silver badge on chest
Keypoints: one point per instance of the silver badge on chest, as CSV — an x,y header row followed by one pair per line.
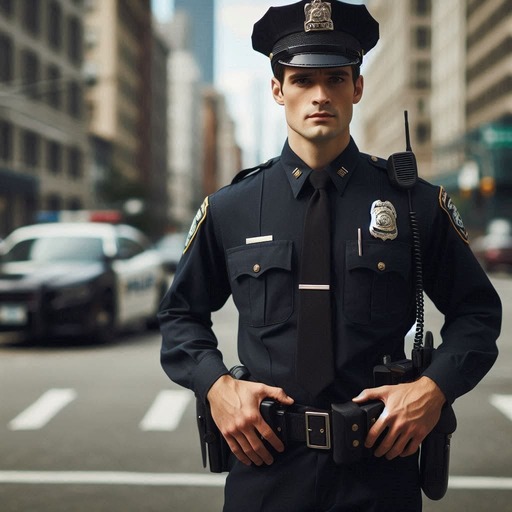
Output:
x,y
383,220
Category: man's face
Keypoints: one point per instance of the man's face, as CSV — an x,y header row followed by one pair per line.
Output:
x,y
318,102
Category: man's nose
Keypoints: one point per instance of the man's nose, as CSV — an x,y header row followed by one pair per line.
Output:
x,y
320,96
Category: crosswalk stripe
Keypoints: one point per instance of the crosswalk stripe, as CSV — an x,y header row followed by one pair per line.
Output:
x,y
43,409
503,403
192,479
112,478
166,411
480,482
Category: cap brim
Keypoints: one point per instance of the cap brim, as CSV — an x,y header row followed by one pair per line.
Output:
x,y
318,60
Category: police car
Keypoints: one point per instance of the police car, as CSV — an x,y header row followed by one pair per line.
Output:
x,y
84,280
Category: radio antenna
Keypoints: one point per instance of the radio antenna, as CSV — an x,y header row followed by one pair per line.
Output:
x,y
407,136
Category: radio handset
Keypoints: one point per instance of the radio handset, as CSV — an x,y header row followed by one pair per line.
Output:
x,y
402,167
435,448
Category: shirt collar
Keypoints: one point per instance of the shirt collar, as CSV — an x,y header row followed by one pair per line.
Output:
x,y
340,169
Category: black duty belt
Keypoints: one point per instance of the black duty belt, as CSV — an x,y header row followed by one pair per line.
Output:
x,y
299,424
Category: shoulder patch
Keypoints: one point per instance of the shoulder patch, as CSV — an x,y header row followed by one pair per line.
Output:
x,y
196,224
253,170
456,220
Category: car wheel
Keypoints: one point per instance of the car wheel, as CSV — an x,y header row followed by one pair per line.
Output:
x,y
102,320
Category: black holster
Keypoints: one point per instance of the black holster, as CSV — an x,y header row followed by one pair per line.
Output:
x,y
214,449
435,455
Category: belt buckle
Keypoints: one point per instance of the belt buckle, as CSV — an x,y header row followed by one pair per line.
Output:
x,y
318,430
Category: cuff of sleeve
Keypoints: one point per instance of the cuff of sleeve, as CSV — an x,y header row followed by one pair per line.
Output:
x,y
445,374
207,372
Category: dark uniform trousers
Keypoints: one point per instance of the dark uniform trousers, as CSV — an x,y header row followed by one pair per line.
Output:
x,y
306,480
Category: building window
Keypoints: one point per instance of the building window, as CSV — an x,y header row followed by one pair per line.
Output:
x,y
6,59
75,40
74,100
421,74
30,73
75,203
30,145
55,25
5,141
422,37
53,202
32,16
54,158
423,133
75,163
6,6
54,87
421,7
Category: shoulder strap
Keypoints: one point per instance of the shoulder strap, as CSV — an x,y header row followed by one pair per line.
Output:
x,y
253,170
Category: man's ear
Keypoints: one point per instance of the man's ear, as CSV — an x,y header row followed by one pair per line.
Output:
x,y
277,91
358,89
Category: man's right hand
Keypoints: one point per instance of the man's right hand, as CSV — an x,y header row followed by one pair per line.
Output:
x,y
235,407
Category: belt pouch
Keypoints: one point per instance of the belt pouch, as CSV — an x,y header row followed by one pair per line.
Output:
x,y
349,425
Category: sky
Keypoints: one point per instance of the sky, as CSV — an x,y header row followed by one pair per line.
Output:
x,y
244,76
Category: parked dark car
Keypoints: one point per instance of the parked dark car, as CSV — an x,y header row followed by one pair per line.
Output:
x,y
78,280
494,249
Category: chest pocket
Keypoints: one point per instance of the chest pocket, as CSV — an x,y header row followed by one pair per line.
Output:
x,y
262,282
377,288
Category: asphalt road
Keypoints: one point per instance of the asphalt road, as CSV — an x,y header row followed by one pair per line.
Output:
x,y
88,429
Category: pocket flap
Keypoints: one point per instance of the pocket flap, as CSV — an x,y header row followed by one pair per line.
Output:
x,y
256,259
381,257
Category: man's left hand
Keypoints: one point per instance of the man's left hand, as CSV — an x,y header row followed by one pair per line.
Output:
x,y
411,411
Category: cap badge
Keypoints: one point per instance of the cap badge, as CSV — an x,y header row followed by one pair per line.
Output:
x,y
383,220
318,16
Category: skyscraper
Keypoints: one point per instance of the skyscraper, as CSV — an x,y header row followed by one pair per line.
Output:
x,y
202,21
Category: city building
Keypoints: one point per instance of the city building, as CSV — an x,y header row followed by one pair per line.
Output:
x,y
43,132
222,157
184,125
118,69
398,78
158,194
203,154
472,106
452,70
201,34
488,136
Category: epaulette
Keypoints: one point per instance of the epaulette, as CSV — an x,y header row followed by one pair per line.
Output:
x,y
253,170
380,163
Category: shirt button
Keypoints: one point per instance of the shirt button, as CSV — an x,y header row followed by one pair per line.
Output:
x,y
256,268
381,266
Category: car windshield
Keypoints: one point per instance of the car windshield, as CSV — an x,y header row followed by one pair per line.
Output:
x,y
56,248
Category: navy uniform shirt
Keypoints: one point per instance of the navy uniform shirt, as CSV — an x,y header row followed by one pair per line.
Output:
x,y
373,288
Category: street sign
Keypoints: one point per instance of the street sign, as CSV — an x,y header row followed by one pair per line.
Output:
x,y
498,136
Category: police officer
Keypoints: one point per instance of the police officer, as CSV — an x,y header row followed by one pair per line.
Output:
x,y
247,241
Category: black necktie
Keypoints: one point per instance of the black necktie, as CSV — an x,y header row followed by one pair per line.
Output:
x,y
315,364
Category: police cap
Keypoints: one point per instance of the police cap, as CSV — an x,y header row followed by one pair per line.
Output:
x,y
314,33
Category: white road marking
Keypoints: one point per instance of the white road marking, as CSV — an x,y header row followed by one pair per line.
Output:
x,y
43,410
166,411
112,478
480,482
503,403
191,479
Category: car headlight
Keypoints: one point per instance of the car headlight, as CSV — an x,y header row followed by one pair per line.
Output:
x,y
66,297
